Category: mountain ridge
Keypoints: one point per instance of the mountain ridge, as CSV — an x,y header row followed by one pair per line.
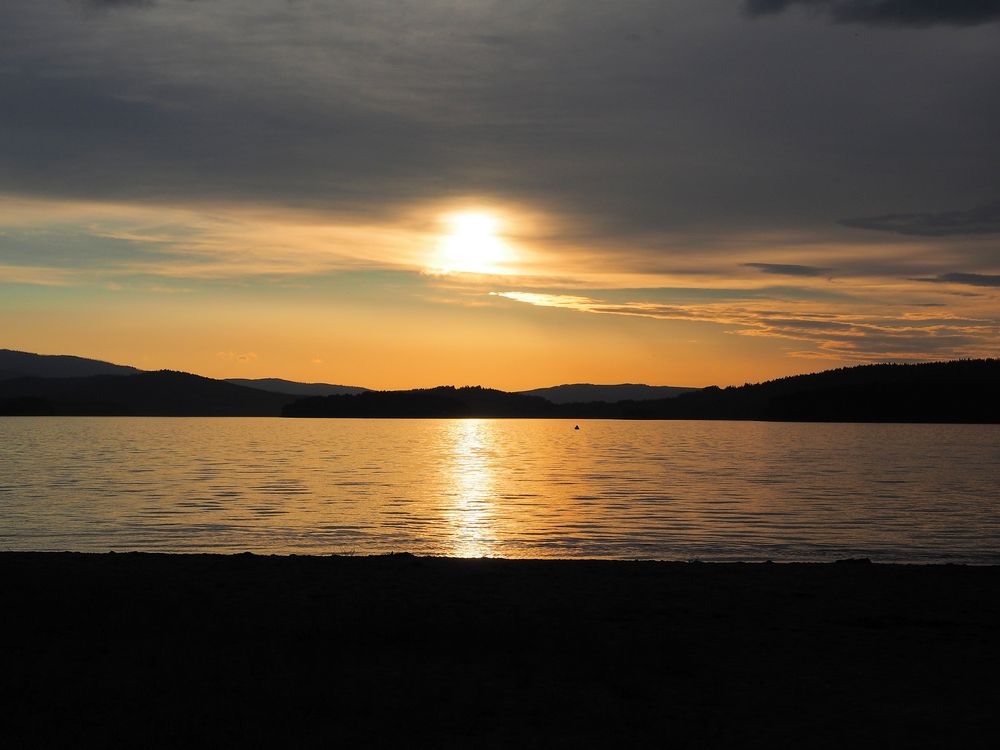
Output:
x,y
961,391
957,391
295,387
15,364
570,393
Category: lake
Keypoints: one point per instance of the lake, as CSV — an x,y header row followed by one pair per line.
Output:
x,y
507,488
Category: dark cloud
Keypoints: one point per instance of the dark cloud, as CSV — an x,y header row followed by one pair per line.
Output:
x,y
970,279
789,269
980,220
117,3
364,108
918,13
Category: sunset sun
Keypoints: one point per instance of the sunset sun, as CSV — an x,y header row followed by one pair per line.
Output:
x,y
471,245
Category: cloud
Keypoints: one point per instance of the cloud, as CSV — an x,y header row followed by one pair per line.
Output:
x,y
118,3
983,219
867,334
270,138
573,302
237,356
789,269
93,7
971,279
370,107
916,13
40,275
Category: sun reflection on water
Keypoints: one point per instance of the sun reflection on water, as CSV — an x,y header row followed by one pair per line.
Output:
x,y
471,488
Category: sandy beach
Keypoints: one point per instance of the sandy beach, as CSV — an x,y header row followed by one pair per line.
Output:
x,y
168,650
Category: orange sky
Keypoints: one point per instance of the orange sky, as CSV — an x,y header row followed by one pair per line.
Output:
x,y
510,194
227,294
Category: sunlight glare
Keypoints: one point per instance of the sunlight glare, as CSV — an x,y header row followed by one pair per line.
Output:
x,y
472,481
471,245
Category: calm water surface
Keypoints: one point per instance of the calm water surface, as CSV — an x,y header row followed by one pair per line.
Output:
x,y
512,488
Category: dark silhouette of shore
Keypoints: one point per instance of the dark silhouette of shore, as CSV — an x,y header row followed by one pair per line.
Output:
x,y
444,401
158,650
961,391
164,393
585,393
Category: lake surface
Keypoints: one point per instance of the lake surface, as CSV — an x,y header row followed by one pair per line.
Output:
x,y
510,488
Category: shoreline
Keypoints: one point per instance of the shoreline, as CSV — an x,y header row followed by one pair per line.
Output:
x,y
930,562
580,419
248,649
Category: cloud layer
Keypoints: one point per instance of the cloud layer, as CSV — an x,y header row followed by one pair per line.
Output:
x,y
789,269
969,279
983,219
919,13
631,121
863,333
685,163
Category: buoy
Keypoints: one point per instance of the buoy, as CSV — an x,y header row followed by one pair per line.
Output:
x,y
577,427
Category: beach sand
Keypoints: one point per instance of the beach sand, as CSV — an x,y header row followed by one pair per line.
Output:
x,y
169,650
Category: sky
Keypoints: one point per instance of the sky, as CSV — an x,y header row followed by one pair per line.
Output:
x,y
408,193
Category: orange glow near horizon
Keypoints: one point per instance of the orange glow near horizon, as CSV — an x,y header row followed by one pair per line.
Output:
x,y
413,299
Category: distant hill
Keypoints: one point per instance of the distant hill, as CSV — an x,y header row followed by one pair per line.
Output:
x,y
163,393
17,364
278,385
579,393
14,364
962,391
444,401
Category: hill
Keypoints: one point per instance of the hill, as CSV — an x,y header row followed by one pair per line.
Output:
x,y
279,385
578,393
15,364
163,393
961,391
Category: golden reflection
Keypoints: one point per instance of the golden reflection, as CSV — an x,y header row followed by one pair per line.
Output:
x,y
471,485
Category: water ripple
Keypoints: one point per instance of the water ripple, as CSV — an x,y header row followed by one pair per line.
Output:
x,y
516,488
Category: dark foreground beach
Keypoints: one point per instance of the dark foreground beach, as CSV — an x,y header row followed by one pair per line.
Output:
x,y
163,650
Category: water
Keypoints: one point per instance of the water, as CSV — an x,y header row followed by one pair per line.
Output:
x,y
511,488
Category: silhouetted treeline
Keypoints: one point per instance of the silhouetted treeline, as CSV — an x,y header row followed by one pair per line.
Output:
x,y
280,385
962,391
579,393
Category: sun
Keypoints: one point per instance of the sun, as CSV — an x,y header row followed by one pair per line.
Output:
x,y
472,244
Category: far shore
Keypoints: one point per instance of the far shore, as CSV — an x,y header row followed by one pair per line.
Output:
x,y
403,651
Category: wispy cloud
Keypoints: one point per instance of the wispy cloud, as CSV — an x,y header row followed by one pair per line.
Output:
x,y
41,275
918,13
789,269
969,279
983,219
231,356
572,302
207,242
869,334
